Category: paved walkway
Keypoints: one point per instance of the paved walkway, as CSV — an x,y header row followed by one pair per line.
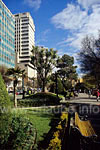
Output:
x,y
84,99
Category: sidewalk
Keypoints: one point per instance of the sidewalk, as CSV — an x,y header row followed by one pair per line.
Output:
x,y
83,98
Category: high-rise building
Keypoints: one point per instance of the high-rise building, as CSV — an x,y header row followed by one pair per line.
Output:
x,y
24,40
7,36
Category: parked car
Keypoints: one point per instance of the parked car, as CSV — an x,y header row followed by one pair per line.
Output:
x,y
19,92
10,92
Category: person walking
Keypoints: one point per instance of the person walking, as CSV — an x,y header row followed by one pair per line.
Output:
x,y
89,93
98,95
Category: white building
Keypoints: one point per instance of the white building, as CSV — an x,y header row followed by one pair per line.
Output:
x,y
24,40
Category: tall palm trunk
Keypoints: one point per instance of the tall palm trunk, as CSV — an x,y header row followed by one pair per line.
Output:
x,y
23,87
15,98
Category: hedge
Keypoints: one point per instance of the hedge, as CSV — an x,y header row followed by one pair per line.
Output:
x,y
42,95
5,115
40,99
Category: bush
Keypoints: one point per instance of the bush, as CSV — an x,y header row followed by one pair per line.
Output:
x,y
5,115
40,99
4,97
11,100
22,135
30,103
58,136
11,97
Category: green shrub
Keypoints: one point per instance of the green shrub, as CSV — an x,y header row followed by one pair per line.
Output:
x,y
5,115
22,135
42,95
11,100
4,98
40,99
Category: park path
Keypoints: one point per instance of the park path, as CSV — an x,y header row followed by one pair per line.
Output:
x,y
84,98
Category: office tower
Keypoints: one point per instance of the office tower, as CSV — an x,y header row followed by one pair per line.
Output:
x,y
7,37
24,40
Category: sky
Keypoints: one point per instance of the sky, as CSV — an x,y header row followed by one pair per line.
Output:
x,y
61,24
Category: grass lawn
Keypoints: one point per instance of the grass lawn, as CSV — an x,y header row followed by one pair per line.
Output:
x,y
41,119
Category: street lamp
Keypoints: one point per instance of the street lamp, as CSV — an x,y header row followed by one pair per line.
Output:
x,y
56,77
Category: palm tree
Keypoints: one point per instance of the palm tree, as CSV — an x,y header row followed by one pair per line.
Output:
x,y
15,73
23,77
3,71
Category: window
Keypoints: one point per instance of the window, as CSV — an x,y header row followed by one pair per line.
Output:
x,y
25,53
25,20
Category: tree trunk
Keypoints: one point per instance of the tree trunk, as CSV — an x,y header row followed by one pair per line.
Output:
x,y
43,88
23,88
15,98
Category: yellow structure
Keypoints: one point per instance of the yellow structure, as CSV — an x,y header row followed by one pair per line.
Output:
x,y
81,80
85,127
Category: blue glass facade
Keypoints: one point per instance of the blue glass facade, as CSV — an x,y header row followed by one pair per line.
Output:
x,y
7,37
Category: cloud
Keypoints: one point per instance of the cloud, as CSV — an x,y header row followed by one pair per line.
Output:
x,y
70,18
33,3
42,37
88,3
78,23
65,41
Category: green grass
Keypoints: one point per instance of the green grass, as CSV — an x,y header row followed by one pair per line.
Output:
x,y
41,122
39,117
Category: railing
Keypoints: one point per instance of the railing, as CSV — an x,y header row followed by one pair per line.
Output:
x,y
84,127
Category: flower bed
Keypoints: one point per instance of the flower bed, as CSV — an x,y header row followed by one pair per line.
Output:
x,y
57,139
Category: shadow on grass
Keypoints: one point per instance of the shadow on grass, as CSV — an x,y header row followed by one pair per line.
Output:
x,y
46,112
42,145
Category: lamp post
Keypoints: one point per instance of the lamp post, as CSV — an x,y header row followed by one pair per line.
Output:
x,y
56,84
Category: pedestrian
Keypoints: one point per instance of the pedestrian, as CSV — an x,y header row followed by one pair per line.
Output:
x,y
98,95
89,92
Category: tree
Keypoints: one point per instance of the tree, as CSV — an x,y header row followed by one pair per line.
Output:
x,y
15,73
23,75
56,84
44,61
66,70
5,115
89,57
89,81
3,70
